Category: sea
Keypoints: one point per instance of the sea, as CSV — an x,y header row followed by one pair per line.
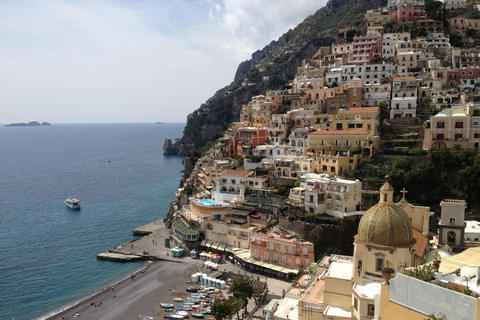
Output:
x,y
48,251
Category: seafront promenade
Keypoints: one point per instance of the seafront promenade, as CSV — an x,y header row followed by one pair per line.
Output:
x,y
162,279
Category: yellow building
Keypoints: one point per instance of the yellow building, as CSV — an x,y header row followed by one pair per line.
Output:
x,y
336,151
350,288
364,118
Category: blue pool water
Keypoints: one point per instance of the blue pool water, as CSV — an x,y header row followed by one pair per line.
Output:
x,y
212,203
48,252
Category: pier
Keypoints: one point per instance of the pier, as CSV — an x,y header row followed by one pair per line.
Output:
x,y
149,247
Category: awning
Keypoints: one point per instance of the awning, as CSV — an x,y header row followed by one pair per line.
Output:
x,y
208,244
215,245
229,248
203,243
221,247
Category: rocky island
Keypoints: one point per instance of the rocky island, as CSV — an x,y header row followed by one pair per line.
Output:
x,y
30,124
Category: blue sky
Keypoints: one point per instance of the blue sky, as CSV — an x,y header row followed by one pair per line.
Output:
x,y
129,61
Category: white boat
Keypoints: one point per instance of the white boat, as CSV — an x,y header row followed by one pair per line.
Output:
x,y
73,203
197,315
176,316
178,299
182,313
166,305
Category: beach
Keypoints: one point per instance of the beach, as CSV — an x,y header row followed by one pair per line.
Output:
x,y
138,296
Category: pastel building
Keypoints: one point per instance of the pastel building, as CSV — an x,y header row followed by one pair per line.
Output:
x,y
374,94
335,141
233,184
282,248
458,126
293,166
404,98
322,193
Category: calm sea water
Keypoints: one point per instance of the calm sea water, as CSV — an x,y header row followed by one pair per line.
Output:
x,y
47,251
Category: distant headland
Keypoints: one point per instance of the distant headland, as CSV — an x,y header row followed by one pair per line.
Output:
x,y
30,124
160,122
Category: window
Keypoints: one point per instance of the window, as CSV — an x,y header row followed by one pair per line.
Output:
x,y
440,125
371,310
355,303
379,265
452,220
458,124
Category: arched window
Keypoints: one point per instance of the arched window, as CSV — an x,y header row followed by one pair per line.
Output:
x,y
451,236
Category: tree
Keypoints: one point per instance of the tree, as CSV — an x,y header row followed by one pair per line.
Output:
x,y
224,309
257,293
242,289
440,316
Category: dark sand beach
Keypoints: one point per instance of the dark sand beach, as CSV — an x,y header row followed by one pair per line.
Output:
x,y
139,296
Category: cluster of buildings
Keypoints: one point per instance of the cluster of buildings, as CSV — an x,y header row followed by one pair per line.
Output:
x,y
331,123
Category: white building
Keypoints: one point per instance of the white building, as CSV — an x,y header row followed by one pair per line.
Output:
x,y
389,40
232,185
369,73
373,94
297,140
322,193
292,167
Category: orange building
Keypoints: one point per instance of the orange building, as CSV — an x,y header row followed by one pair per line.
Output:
x,y
282,248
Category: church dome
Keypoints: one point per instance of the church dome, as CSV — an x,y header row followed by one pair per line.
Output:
x,y
385,223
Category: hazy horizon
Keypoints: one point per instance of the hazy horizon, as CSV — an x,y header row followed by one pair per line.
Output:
x,y
129,62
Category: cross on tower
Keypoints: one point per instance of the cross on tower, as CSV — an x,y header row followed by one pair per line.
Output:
x,y
403,191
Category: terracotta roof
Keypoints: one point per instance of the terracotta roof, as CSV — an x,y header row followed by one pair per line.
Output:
x,y
339,132
242,173
420,245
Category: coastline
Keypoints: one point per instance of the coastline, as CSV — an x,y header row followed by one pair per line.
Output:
x,y
131,297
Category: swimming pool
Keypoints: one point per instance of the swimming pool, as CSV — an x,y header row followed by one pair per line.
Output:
x,y
212,203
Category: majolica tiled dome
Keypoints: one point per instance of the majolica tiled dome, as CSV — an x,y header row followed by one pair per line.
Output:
x,y
385,223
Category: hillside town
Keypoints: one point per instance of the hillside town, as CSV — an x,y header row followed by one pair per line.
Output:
x,y
280,182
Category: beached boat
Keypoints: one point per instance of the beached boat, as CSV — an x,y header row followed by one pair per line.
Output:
x,y
73,203
178,299
166,305
140,317
197,315
174,317
192,289
182,313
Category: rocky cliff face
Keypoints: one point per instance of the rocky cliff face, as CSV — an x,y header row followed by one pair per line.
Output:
x,y
270,68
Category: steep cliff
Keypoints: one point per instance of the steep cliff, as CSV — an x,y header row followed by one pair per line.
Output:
x,y
272,67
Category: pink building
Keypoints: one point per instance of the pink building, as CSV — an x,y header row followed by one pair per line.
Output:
x,y
282,248
459,24
408,13
367,45
459,77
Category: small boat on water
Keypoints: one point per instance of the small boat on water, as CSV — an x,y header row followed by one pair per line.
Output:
x,y
166,305
73,203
